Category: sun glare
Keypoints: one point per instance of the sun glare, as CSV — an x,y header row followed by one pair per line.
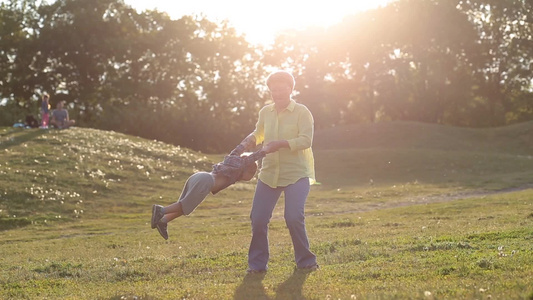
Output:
x,y
262,21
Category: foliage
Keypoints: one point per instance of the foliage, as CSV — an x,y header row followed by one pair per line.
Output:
x,y
461,63
445,62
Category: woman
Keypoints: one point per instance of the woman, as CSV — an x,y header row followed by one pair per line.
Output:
x,y
286,128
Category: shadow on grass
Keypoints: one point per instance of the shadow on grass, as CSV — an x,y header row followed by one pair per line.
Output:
x,y
252,287
11,223
27,135
292,287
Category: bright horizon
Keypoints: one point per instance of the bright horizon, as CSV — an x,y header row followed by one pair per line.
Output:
x,y
255,22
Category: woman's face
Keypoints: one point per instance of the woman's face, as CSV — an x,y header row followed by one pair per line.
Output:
x,y
280,92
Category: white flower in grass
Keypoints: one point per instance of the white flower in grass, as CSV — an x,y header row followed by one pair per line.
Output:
x,y
427,293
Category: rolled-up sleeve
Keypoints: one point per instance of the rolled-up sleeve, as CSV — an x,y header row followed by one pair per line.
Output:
x,y
304,139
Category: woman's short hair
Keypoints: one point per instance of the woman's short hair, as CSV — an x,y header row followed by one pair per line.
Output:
x,y
281,76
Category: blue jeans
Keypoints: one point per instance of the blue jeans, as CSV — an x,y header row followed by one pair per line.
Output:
x,y
265,200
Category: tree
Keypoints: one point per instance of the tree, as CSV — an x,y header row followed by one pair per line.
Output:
x,y
504,64
18,43
304,53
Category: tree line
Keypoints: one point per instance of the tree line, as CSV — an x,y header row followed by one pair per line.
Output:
x,y
199,84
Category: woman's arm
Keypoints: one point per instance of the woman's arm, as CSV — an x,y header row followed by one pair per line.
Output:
x,y
304,139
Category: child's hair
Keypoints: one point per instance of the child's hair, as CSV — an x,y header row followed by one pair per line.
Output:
x,y
249,171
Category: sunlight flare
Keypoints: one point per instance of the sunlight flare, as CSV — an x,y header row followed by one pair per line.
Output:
x,y
261,24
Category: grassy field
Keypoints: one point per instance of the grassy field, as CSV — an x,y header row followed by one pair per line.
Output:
x,y
403,211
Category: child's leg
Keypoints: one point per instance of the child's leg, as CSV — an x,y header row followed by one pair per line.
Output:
x,y
197,187
173,208
45,120
172,211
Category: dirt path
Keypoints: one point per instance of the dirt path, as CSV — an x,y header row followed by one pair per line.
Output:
x,y
445,198
470,194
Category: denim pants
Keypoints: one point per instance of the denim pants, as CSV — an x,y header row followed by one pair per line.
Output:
x,y
265,200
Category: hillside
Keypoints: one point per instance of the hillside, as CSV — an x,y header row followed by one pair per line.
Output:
x,y
406,152
63,175
80,172
513,139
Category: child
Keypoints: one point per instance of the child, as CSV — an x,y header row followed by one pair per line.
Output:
x,y
234,168
45,110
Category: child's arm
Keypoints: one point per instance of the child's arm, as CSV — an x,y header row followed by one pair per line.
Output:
x,y
257,155
247,144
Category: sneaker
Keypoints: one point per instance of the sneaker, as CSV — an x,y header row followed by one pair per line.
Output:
x,y
162,228
156,215
309,268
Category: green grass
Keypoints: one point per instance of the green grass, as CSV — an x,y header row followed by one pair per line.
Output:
x,y
433,223
513,139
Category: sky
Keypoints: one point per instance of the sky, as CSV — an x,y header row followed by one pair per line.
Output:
x,y
260,21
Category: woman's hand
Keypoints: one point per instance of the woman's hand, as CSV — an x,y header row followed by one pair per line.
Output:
x,y
275,146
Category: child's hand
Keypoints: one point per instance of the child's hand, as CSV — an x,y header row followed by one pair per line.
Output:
x,y
274,146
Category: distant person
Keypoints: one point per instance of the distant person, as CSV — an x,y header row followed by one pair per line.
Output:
x,y
60,118
198,186
286,126
45,110
31,122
